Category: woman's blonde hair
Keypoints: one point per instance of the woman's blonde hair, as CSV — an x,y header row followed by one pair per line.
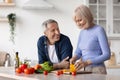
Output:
x,y
85,13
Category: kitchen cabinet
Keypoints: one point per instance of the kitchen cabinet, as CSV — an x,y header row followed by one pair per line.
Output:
x,y
107,14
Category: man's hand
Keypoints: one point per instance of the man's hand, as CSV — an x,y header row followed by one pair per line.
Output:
x,y
64,63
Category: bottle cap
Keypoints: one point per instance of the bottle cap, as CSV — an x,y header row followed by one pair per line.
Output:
x,y
16,53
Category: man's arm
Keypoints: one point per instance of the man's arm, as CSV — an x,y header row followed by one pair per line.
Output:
x,y
41,52
66,49
63,64
65,53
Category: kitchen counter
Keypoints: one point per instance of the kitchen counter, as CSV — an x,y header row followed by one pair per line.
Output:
x,y
113,67
113,70
9,73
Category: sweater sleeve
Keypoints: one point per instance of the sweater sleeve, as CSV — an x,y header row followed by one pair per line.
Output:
x,y
103,42
78,52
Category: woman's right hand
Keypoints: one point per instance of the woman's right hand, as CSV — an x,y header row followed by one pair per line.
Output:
x,y
73,59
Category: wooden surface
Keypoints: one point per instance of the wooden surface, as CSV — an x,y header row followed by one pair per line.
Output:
x,y
78,72
3,20
9,73
7,4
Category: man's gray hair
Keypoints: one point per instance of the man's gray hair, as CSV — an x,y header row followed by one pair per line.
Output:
x,y
45,23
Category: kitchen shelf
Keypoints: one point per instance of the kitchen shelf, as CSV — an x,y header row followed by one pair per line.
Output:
x,y
7,4
3,20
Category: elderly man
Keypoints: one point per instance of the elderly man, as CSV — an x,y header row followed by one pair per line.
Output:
x,y
54,46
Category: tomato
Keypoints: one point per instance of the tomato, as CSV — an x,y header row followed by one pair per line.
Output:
x,y
74,73
27,71
45,72
61,71
23,66
38,66
58,73
32,70
18,70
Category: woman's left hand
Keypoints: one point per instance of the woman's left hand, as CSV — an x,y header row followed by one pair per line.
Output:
x,y
80,64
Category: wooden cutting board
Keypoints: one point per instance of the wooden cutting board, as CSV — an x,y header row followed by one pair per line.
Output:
x,y
78,72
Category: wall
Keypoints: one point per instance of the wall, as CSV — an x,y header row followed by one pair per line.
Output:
x,y
28,27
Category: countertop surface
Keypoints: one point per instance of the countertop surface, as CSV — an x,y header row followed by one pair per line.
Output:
x,y
113,67
8,73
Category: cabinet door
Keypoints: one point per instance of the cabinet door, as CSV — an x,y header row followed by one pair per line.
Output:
x,y
113,18
116,17
101,19
107,14
98,9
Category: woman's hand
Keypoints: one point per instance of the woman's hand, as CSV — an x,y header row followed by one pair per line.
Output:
x,y
73,59
79,64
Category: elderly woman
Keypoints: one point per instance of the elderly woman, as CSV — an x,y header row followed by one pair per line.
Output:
x,y
92,48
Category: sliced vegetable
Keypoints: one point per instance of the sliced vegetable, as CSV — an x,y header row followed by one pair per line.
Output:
x,y
72,68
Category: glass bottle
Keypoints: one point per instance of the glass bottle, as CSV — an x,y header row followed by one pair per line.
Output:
x,y
16,60
7,62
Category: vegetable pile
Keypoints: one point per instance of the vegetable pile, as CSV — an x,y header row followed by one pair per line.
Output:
x,y
46,66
